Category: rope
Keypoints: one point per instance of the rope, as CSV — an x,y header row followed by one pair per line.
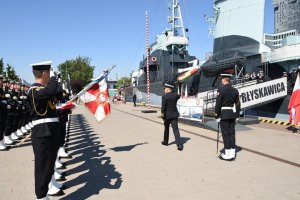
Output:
x,y
33,101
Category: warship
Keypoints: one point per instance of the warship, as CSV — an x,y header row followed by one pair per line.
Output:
x,y
168,54
242,48
263,72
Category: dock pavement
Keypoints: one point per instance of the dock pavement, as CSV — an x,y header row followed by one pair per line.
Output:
x,y
122,158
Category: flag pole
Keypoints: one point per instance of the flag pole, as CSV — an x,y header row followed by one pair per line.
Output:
x,y
148,71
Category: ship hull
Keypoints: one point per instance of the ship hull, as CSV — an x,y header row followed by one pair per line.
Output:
x,y
156,92
277,109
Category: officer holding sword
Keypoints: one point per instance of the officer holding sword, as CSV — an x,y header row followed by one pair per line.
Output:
x,y
227,110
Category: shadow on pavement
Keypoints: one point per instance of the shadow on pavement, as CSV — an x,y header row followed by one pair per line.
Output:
x,y
293,129
183,140
127,148
96,172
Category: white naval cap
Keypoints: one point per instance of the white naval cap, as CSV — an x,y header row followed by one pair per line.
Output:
x,y
167,85
226,75
46,65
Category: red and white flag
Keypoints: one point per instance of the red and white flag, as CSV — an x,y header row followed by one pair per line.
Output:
x,y
294,105
65,106
96,99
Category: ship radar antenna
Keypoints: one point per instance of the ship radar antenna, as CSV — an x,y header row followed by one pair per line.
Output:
x,y
212,20
175,18
211,24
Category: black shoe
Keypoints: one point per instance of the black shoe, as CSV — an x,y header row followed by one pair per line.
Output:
x,y
164,143
62,167
5,149
62,178
180,147
231,159
67,157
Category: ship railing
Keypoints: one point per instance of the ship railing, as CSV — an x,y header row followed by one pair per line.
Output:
x,y
171,75
210,101
245,84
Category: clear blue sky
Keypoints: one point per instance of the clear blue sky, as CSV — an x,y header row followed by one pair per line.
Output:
x,y
107,31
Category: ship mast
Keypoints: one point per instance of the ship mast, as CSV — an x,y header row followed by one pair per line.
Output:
x,y
175,18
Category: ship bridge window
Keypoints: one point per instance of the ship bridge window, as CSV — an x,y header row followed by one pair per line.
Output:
x,y
153,73
152,67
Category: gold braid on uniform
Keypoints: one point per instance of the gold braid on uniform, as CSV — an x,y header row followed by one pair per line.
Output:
x,y
52,105
35,107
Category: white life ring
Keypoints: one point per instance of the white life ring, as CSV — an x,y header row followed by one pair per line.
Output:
x,y
153,59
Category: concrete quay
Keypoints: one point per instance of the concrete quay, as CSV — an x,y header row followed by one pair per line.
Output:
x,y
122,158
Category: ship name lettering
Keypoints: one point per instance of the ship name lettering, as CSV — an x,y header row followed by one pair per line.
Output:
x,y
262,92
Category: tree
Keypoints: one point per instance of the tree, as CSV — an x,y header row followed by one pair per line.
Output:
x,y
11,73
76,86
79,70
123,82
1,66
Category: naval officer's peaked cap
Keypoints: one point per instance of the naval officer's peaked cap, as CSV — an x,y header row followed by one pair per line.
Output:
x,y
168,85
226,75
42,65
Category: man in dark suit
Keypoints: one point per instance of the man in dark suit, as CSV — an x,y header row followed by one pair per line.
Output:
x,y
45,133
170,115
227,110
134,97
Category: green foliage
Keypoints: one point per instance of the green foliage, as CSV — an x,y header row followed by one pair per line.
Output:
x,y
123,82
1,66
78,69
11,73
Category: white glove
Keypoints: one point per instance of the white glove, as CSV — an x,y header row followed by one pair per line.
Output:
x,y
52,72
237,119
218,120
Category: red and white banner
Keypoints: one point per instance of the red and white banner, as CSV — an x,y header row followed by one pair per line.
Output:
x,y
96,99
294,105
65,106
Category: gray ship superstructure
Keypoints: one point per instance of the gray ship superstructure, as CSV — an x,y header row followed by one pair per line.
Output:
x,y
242,48
168,53
238,33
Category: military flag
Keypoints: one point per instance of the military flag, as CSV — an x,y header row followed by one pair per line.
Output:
x,y
294,105
95,96
96,99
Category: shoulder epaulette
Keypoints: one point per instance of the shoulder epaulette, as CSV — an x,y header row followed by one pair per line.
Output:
x,y
36,88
